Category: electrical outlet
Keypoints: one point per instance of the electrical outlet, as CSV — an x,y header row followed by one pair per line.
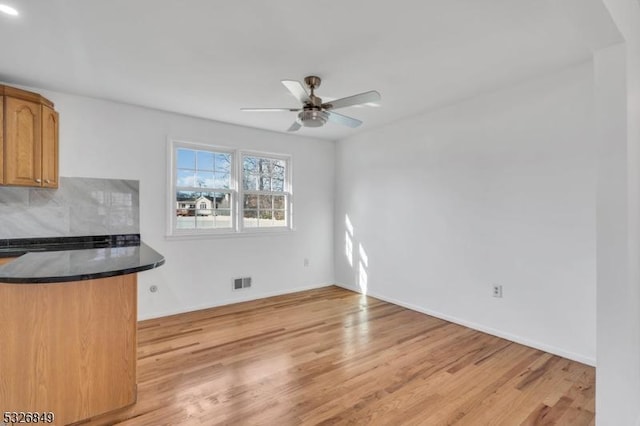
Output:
x,y
497,290
153,289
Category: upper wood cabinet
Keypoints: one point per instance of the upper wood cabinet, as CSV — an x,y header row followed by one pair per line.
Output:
x,y
29,139
49,147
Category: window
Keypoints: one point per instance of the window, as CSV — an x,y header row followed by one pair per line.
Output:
x,y
265,196
202,188
218,190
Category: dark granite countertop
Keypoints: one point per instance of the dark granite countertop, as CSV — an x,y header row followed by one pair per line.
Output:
x,y
75,259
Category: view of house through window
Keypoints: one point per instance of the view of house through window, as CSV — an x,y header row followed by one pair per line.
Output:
x,y
204,194
206,184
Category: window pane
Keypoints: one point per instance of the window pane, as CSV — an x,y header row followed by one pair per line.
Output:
x,y
250,182
271,219
278,169
223,163
185,210
259,162
250,218
266,214
265,166
186,177
205,160
265,183
250,202
185,196
213,199
187,221
222,180
264,211
279,202
201,200
186,159
223,219
279,218
205,220
277,185
249,164
266,202
222,200
197,210
204,180
263,174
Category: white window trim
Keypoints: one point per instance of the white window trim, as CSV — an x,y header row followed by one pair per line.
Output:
x,y
237,230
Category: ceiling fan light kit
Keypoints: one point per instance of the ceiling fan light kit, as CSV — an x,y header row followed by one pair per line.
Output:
x,y
313,118
314,113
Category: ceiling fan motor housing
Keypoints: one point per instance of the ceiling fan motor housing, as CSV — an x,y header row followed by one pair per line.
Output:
x,y
313,118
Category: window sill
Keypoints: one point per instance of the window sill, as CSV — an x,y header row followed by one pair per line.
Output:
x,y
231,234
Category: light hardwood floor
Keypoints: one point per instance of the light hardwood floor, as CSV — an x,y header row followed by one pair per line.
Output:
x,y
331,356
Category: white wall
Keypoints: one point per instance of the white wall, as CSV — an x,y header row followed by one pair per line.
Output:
x,y
616,323
111,140
497,189
618,221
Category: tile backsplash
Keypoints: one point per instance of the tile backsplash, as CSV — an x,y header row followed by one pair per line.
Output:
x,y
81,206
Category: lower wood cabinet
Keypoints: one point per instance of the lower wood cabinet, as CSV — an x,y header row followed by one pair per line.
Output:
x,y
69,348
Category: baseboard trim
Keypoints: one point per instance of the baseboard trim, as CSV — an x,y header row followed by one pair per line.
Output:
x,y
512,337
245,298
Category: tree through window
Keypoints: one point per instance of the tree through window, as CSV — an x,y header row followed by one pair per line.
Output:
x,y
265,196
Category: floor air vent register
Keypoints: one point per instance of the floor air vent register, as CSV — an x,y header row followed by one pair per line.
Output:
x,y
241,283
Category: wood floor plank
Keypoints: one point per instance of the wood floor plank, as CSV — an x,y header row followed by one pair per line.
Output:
x,y
331,356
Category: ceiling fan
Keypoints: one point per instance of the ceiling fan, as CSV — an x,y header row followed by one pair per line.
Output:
x,y
315,113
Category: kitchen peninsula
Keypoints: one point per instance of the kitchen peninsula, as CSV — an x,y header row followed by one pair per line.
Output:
x,y
69,315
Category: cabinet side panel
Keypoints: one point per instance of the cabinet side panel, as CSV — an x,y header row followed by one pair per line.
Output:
x,y
111,376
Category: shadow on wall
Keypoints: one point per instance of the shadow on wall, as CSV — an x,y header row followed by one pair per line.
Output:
x,y
362,260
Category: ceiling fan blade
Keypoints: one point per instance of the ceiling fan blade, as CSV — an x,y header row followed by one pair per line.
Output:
x,y
269,109
297,89
362,98
294,127
334,117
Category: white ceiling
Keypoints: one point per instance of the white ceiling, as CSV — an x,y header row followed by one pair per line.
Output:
x,y
209,58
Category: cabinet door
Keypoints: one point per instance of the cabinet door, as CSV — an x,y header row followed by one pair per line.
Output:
x,y
2,140
22,143
49,147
